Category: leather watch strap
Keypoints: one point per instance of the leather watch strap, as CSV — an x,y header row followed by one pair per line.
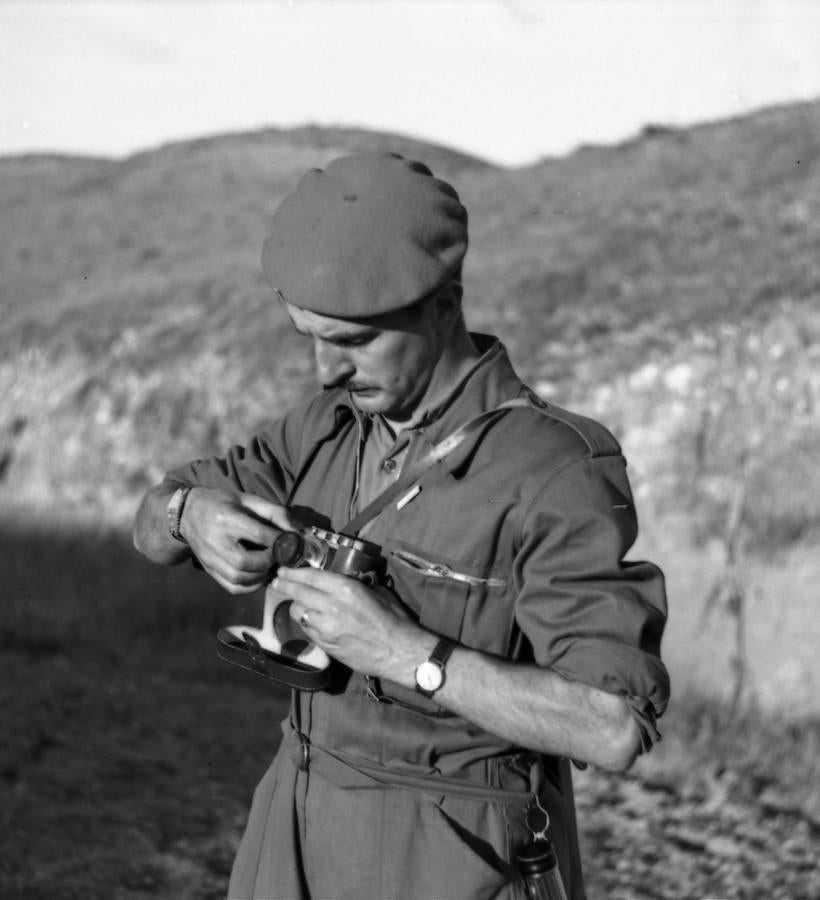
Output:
x,y
442,651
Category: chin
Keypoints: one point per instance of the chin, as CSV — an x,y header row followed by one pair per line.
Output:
x,y
370,402
376,404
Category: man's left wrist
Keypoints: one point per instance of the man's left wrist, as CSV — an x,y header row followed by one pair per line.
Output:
x,y
410,648
431,674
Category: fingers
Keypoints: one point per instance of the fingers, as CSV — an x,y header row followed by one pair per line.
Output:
x,y
231,585
301,586
240,516
233,580
316,597
350,621
277,515
319,580
247,561
306,616
242,524
252,533
324,588
230,539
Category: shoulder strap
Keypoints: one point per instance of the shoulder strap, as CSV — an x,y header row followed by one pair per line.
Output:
x,y
433,456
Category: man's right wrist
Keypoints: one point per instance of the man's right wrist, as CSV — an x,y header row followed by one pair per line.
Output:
x,y
175,511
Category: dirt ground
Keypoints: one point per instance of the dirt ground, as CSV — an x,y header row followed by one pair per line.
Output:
x,y
131,782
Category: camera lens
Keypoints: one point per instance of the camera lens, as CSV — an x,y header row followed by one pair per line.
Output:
x,y
288,549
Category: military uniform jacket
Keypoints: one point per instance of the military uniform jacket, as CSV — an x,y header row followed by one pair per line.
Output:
x,y
515,547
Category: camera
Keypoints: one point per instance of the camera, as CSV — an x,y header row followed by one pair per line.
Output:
x,y
319,549
332,551
280,649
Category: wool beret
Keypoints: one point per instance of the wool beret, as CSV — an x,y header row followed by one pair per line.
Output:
x,y
369,234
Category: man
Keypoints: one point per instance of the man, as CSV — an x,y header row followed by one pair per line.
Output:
x,y
514,636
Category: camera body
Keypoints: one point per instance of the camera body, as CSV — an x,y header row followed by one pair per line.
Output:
x,y
280,649
332,551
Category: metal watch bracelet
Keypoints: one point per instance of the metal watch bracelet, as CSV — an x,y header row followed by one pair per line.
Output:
x,y
176,507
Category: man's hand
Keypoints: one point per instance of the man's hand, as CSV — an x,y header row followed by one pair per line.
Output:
x,y
232,536
365,628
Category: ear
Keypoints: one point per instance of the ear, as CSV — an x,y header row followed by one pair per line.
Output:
x,y
448,303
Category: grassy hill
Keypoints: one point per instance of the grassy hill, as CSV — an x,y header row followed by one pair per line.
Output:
x,y
668,285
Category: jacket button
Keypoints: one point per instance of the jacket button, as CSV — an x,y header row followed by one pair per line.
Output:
x,y
389,465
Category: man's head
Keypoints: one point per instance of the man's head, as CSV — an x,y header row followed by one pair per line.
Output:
x,y
368,235
367,257
389,362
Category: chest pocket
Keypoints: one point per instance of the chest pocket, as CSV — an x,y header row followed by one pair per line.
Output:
x,y
464,603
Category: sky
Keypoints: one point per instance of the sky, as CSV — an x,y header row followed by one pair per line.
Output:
x,y
510,81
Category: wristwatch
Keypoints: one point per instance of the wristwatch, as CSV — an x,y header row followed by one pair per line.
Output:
x,y
430,674
176,505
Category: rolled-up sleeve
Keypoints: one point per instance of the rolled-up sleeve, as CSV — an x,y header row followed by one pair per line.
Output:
x,y
258,468
590,615
265,466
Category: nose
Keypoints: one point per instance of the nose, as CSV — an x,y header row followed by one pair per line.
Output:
x,y
333,364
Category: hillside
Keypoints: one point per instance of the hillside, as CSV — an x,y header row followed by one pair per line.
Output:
x,y
133,303
669,285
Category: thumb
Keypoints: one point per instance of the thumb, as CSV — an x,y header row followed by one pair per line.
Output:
x,y
275,513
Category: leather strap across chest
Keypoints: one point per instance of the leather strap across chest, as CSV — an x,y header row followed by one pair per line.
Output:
x,y
432,457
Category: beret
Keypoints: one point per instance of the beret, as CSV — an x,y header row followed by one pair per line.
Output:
x,y
369,234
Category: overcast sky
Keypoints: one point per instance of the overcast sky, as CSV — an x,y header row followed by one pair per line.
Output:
x,y
509,81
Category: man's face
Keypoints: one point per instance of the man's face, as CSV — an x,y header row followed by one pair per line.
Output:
x,y
386,362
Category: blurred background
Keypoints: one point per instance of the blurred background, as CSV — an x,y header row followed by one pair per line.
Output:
x,y
643,182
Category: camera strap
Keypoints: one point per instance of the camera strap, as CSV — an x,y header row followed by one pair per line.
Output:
x,y
432,457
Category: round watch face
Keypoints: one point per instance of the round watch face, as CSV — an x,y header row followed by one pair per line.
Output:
x,y
429,676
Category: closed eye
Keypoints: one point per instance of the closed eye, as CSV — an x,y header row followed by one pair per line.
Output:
x,y
340,341
358,340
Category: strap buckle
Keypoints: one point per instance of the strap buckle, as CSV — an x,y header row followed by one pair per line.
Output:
x,y
303,760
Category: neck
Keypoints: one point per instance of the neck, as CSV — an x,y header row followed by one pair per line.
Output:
x,y
457,359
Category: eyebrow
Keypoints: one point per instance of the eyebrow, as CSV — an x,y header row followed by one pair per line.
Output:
x,y
361,332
